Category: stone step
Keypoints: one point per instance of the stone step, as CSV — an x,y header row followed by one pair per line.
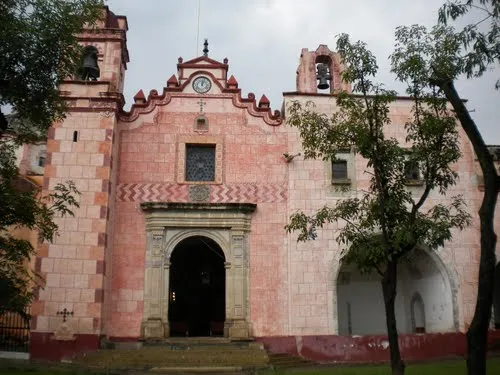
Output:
x,y
284,361
191,343
172,356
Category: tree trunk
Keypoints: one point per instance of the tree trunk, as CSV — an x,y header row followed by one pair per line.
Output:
x,y
389,285
477,335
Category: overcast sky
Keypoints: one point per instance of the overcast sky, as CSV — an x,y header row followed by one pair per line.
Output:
x,y
263,38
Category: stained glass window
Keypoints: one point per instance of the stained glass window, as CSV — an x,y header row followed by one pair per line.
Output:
x,y
200,162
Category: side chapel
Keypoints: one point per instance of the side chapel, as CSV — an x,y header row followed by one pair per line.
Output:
x,y
180,230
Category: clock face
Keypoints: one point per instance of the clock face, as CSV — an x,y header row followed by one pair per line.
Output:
x,y
202,85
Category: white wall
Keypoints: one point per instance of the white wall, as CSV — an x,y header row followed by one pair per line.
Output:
x,y
364,294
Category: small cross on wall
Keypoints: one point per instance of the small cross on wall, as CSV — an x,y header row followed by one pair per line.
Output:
x,y
65,313
201,103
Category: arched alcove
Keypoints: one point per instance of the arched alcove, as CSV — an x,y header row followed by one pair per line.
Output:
x,y
424,300
417,310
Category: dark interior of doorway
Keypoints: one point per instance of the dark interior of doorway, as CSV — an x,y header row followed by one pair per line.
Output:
x,y
197,288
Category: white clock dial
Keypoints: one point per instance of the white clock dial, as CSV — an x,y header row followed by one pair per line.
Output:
x,y
202,85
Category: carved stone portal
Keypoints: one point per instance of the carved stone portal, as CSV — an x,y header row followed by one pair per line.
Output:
x,y
167,224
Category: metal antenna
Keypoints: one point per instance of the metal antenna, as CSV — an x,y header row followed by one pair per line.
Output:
x,y
198,32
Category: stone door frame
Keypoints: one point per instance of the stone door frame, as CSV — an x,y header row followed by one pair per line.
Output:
x,y
167,224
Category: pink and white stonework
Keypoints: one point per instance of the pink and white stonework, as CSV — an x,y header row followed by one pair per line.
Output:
x,y
113,264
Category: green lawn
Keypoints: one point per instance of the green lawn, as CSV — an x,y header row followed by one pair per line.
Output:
x,y
442,368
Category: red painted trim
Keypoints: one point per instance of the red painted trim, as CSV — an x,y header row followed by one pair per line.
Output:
x,y
154,99
369,349
211,63
44,347
93,109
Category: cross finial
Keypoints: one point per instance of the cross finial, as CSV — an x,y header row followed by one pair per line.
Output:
x,y
205,50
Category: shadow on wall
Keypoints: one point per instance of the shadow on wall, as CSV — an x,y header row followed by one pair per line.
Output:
x,y
424,301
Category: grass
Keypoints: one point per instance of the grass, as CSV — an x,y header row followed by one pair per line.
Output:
x,y
456,367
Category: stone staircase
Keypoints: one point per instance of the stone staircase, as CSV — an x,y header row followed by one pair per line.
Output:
x,y
182,355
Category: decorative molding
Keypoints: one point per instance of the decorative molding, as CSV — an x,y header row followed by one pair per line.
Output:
x,y
199,193
164,192
155,99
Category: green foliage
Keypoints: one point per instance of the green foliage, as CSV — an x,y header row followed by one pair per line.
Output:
x,y
38,49
386,222
25,208
480,39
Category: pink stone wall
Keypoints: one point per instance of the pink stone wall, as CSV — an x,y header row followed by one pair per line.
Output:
x,y
252,170
314,265
74,264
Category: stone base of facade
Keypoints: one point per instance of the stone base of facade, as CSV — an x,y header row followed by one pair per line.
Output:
x,y
154,329
340,349
238,330
43,346
370,349
157,329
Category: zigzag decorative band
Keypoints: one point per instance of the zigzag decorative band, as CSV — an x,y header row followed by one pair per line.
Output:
x,y
164,192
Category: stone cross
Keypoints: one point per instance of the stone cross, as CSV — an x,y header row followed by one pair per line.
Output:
x,y
201,103
65,313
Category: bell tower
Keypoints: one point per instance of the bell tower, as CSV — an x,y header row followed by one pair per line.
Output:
x,y
81,148
319,72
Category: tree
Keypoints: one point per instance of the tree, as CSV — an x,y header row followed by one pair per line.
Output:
x,y
481,49
38,49
469,51
24,208
387,222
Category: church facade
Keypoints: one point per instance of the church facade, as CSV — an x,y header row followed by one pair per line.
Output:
x,y
180,230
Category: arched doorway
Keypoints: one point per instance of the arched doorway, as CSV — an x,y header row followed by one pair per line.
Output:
x,y
197,288
424,300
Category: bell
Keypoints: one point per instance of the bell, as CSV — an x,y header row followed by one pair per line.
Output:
x,y
90,68
323,76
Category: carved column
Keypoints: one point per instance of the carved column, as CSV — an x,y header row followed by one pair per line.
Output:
x,y
165,297
152,326
229,298
239,325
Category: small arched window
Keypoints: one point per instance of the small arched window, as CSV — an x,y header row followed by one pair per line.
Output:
x,y
417,314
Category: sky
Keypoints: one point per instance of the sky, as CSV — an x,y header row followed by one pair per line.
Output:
x,y
263,39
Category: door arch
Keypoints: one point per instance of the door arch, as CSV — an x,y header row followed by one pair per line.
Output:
x,y
168,224
197,288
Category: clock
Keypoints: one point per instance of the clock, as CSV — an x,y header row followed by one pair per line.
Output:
x,y
202,85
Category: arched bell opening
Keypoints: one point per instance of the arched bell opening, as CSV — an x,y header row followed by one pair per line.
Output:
x,y
89,67
324,72
424,299
197,288
496,298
